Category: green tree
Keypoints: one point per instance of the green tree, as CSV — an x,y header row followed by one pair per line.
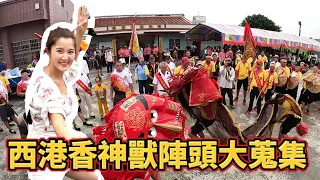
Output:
x,y
262,22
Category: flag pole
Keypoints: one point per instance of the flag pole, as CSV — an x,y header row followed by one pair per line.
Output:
x,y
129,61
130,45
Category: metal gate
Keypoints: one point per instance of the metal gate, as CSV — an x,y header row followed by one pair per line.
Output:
x,y
1,54
23,51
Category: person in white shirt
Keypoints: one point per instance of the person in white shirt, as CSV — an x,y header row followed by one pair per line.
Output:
x,y
294,59
124,67
120,83
314,58
276,60
289,56
85,69
85,97
227,76
109,60
141,51
85,56
170,64
165,75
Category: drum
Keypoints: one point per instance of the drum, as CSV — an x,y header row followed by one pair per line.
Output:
x,y
282,76
313,83
293,82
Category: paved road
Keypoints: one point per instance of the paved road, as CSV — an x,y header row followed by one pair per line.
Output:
x,y
244,121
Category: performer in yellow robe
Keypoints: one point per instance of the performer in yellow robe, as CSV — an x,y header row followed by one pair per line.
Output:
x,y
311,89
180,69
271,82
209,66
256,83
293,82
243,70
101,94
282,109
283,75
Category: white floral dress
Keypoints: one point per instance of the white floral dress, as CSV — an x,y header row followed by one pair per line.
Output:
x,y
46,98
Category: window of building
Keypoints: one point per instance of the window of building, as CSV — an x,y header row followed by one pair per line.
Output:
x,y
174,41
60,2
1,54
23,51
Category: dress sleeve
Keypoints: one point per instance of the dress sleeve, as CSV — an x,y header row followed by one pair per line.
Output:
x,y
47,100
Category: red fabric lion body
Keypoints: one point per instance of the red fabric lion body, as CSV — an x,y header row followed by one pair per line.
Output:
x,y
141,116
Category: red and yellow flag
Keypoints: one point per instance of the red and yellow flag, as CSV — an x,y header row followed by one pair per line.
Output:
x,y
134,42
250,46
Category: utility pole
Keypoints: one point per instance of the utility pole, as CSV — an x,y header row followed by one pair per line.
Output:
x,y
299,27
299,35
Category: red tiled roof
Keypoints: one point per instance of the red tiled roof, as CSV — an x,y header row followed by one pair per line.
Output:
x,y
142,20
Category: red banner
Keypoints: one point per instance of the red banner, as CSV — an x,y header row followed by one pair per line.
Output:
x,y
84,87
250,46
163,84
118,83
169,70
256,76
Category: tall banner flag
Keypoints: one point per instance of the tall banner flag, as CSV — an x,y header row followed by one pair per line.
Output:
x,y
134,42
250,46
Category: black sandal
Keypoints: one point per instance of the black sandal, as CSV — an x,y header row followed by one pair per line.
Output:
x,y
12,131
76,128
87,124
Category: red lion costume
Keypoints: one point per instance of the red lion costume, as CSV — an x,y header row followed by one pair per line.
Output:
x,y
141,116
202,92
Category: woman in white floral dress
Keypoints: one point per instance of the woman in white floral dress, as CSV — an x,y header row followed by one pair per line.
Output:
x,y
50,98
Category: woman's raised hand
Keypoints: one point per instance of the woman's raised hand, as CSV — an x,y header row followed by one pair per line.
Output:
x,y
83,17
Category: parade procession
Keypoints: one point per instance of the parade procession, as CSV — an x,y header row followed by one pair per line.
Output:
x,y
155,97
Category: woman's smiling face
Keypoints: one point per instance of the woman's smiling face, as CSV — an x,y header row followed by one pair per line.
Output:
x,y
62,53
